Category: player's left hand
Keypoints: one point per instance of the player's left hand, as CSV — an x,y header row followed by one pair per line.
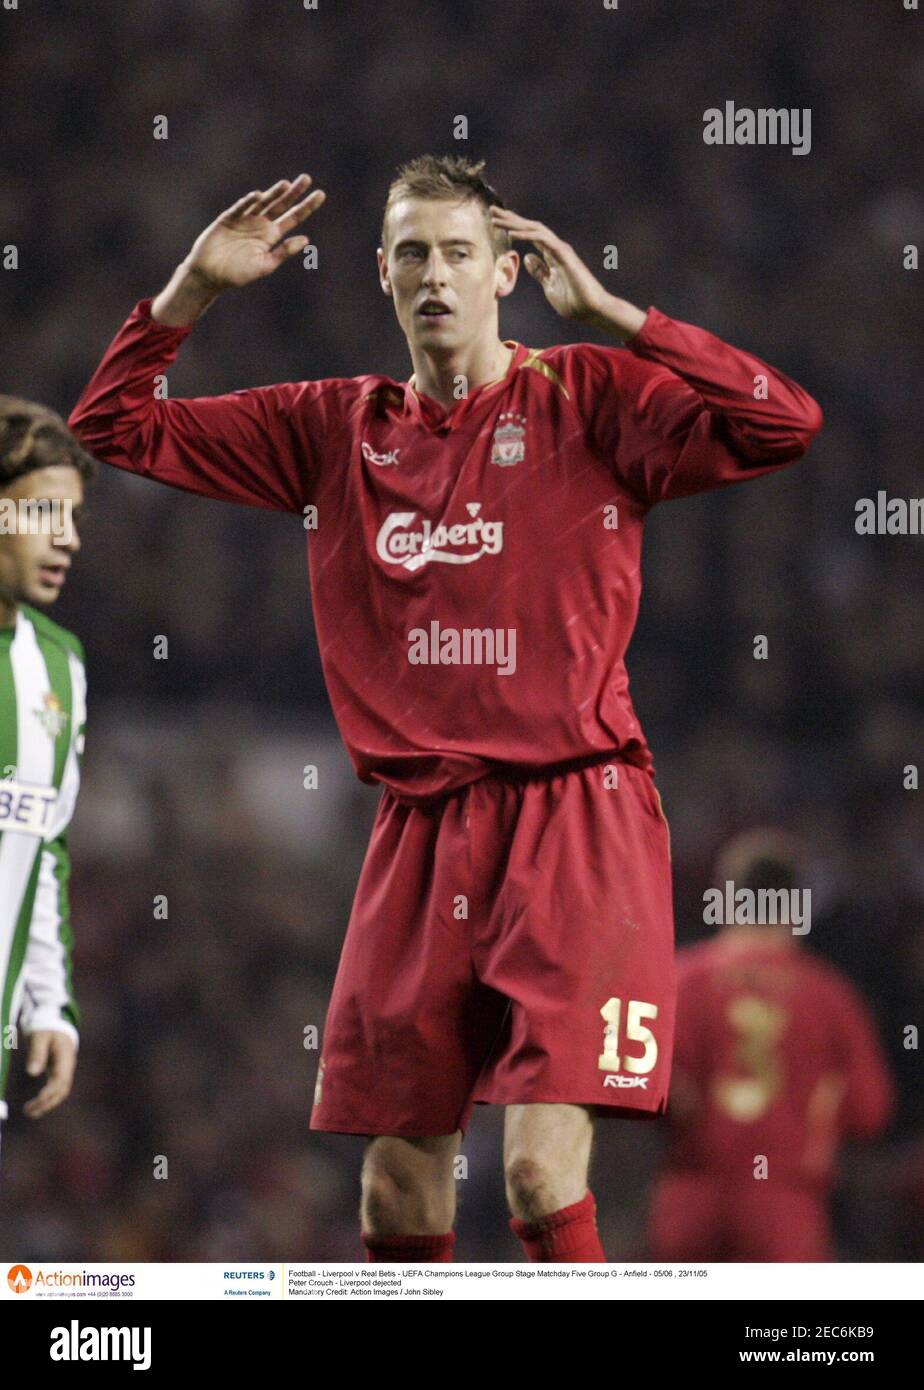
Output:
x,y
570,287
55,1053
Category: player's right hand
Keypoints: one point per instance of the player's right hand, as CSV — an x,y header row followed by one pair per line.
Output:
x,y
249,240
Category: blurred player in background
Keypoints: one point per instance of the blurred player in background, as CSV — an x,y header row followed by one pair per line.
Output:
x,y
475,542
42,715
776,1062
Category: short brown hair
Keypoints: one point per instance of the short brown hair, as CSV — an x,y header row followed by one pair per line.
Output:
x,y
763,857
32,436
451,177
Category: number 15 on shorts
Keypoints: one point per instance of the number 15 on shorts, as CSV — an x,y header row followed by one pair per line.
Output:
x,y
637,1011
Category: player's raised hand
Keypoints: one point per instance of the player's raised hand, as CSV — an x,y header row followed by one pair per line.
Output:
x,y
570,287
246,242
250,239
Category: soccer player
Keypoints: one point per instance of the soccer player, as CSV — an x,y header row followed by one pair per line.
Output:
x,y
776,1061
42,715
475,579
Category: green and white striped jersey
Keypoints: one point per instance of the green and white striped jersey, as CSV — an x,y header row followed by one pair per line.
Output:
x,y
42,717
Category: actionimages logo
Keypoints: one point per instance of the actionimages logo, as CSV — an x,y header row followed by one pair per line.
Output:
x,y
19,1278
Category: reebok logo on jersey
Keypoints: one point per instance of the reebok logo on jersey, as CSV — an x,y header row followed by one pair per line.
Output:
x,y
399,542
626,1081
380,460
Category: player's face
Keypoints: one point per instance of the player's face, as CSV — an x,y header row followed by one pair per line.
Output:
x,y
33,567
442,249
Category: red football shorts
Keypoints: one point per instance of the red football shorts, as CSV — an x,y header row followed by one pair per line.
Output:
x,y
704,1217
510,943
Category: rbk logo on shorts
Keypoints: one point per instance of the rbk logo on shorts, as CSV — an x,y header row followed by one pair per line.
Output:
x,y
400,542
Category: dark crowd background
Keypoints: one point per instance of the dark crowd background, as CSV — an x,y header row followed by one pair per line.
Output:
x,y
591,120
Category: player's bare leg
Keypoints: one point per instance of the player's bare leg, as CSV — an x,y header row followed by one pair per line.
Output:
x,y
546,1161
546,1157
408,1185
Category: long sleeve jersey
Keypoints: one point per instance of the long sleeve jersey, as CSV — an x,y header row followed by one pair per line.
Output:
x,y
777,1055
42,720
475,573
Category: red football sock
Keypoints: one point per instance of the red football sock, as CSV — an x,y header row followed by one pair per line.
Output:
x,y
409,1250
568,1235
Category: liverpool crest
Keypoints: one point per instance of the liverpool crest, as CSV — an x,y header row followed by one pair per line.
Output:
x,y
508,447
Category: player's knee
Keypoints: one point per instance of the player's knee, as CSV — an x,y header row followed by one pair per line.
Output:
x,y
531,1187
388,1208
384,1201
401,1196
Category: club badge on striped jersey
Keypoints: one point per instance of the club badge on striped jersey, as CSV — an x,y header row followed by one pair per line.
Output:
x,y
51,716
508,446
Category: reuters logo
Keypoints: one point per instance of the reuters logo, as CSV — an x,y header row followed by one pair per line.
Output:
x,y
19,1278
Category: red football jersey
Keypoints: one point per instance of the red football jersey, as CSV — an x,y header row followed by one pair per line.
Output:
x,y
474,574
775,1054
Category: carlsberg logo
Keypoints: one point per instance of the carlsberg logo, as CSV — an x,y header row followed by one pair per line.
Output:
x,y
400,542
76,1343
